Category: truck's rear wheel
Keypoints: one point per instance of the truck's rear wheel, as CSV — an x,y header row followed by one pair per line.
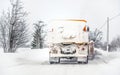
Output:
x,y
86,62
53,60
79,62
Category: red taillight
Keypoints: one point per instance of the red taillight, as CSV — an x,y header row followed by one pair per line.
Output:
x,y
83,49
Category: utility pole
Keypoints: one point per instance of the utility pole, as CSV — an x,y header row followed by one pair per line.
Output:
x,y
107,33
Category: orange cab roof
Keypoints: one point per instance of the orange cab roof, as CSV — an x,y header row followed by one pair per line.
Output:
x,y
76,20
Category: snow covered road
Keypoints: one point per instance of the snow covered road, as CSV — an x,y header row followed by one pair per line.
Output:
x,y
35,62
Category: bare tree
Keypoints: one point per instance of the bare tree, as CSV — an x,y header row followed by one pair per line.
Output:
x,y
3,32
13,28
96,36
39,35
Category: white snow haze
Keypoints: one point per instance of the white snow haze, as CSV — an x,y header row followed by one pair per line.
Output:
x,y
27,61
94,11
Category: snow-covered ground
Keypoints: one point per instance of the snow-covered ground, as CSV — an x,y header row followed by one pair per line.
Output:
x,y
35,62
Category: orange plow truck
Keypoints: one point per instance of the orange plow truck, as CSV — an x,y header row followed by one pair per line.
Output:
x,y
69,41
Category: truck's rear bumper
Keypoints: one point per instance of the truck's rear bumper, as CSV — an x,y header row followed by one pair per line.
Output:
x,y
76,58
68,55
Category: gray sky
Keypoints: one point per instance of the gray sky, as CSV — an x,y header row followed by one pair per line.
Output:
x,y
94,11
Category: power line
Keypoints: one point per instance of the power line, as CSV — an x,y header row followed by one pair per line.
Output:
x,y
115,17
109,20
103,25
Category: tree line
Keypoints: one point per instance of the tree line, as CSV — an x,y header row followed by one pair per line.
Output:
x,y
14,31
97,36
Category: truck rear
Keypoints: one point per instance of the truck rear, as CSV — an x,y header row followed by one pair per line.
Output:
x,y
69,41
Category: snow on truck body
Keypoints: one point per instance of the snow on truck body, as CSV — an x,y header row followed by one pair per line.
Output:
x,y
68,31
69,40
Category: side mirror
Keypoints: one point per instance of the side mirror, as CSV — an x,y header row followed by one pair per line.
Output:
x,y
88,29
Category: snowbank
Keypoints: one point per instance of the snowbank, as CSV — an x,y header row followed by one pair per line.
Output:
x,y
112,60
7,59
33,55
112,68
23,55
35,61
107,56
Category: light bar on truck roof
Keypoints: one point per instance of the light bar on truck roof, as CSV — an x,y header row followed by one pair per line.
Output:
x,y
76,20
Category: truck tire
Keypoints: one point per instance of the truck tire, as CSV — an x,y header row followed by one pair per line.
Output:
x,y
86,62
54,62
51,62
79,62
